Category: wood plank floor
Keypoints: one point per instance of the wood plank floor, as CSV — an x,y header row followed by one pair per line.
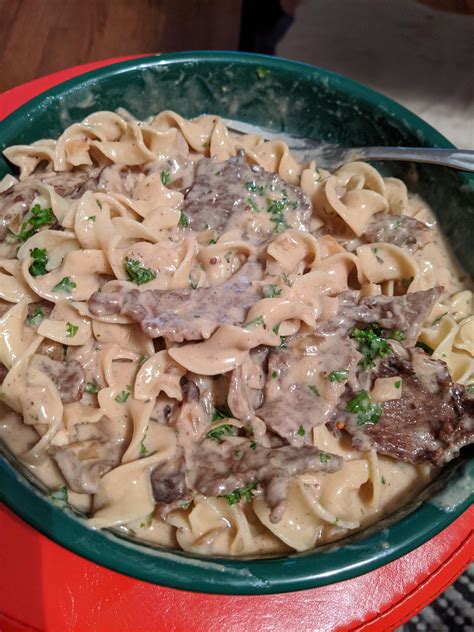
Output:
x,y
41,36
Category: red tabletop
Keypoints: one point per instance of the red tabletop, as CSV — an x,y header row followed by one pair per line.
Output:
x,y
45,587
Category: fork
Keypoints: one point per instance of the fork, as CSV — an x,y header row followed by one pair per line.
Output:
x,y
330,156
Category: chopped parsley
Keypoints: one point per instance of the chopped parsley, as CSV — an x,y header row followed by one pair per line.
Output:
x,y
256,322
228,256
59,497
91,218
470,388
438,320
253,445
313,389
338,376
192,282
143,449
398,383
217,433
426,348
367,412
252,205
136,273
39,258
183,220
382,480
141,360
324,457
65,285
241,492
71,330
39,217
165,177
253,187
99,204
275,375
275,210
148,520
372,343
91,387
301,431
261,72
270,291
34,319
122,397
221,412
212,242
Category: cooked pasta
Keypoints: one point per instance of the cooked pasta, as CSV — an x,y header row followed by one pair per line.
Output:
x,y
219,349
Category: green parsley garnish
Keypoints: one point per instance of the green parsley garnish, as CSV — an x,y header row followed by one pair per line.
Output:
x,y
398,383
313,389
270,291
252,205
397,335
338,376
241,492
136,273
65,285
122,397
34,319
59,497
275,210
148,520
40,259
426,348
91,218
91,387
301,431
324,457
470,388
382,480
253,445
217,433
275,374
253,187
39,217
165,177
367,412
438,320
99,204
183,220
212,242
143,449
261,72
221,412
373,343
256,322
71,330
192,282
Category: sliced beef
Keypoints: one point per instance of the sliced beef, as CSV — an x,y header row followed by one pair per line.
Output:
x,y
299,395
70,184
220,194
68,376
222,470
184,314
400,230
406,313
432,420
168,480
82,463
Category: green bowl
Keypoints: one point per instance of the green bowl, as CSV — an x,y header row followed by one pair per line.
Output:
x,y
290,97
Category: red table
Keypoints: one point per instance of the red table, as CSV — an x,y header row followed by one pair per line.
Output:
x,y
45,587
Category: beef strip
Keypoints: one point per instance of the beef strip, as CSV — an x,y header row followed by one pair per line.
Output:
x,y
400,230
297,405
168,480
406,313
432,420
82,463
184,314
68,376
219,194
220,471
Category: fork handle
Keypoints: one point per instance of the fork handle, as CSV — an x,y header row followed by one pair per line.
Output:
x,y
456,158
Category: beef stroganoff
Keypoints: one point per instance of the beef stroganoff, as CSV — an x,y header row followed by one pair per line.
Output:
x,y
216,348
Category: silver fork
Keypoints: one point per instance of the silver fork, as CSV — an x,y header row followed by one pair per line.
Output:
x,y
330,156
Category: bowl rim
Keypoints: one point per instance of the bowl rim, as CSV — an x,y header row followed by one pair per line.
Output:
x,y
226,575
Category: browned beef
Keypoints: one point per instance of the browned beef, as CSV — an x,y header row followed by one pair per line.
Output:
x,y
432,421
168,480
400,230
184,314
219,194
406,313
221,470
68,376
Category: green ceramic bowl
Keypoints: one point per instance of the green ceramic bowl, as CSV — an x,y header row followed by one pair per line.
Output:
x,y
289,97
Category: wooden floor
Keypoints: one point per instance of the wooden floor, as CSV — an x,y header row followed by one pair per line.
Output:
x,y
42,36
